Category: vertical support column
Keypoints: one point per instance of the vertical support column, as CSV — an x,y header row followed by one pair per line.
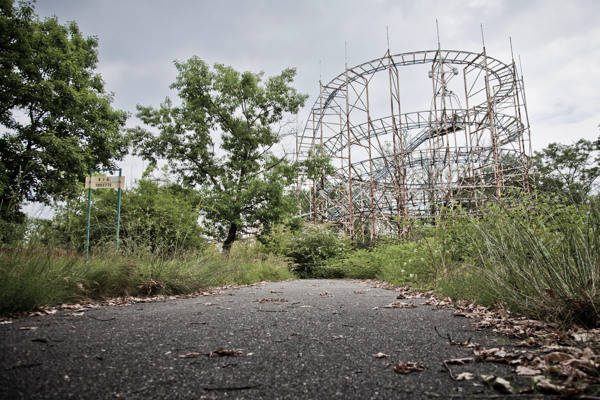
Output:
x,y
371,182
396,174
402,155
349,138
298,205
469,143
322,192
314,178
492,122
434,135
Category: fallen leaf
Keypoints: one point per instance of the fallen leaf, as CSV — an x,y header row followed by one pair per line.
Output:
x,y
360,291
399,304
189,355
407,367
526,371
544,385
464,376
459,361
381,355
557,357
224,352
28,328
498,383
271,300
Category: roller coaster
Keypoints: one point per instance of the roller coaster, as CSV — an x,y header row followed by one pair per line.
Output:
x,y
471,144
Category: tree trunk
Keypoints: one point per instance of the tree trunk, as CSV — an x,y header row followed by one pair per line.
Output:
x,y
231,236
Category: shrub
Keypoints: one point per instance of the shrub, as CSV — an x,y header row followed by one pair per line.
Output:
x,y
308,247
156,218
398,262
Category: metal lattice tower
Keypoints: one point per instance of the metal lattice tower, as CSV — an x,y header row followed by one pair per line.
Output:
x,y
472,144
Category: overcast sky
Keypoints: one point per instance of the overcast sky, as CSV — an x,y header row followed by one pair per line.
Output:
x,y
558,42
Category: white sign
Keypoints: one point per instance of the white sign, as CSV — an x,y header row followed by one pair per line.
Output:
x,y
104,182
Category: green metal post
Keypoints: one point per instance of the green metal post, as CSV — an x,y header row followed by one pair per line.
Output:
x,y
118,208
87,227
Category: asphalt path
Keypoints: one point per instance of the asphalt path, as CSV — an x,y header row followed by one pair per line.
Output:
x,y
315,339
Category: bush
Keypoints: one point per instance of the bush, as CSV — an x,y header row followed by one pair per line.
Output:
x,y
398,262
308,247
155,218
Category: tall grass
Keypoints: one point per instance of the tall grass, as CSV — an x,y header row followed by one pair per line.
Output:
x,y
547,268
30,278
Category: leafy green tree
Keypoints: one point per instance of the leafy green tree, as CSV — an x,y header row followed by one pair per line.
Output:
x,y
569,170
56,119
241,181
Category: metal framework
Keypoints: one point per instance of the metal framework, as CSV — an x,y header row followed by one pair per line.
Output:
x,y
471,145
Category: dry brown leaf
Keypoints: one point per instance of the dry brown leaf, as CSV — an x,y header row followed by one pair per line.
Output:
x,y
464,376
224,352
399,304
544,385
381,355
189,355
28,328
498,383
557,357
526,371
459,361
271,300
407,367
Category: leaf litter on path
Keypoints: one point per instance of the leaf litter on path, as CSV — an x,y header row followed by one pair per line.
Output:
x,y
408,367
221,352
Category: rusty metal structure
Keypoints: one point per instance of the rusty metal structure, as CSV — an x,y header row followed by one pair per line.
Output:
x,y
393,161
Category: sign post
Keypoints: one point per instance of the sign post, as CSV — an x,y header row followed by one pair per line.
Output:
x,y
103,182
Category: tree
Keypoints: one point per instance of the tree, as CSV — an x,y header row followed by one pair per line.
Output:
x,y
241,181
569,170
57,120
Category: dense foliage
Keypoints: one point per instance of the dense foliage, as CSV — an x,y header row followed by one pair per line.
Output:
x,y
307,246
56,119
154,217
